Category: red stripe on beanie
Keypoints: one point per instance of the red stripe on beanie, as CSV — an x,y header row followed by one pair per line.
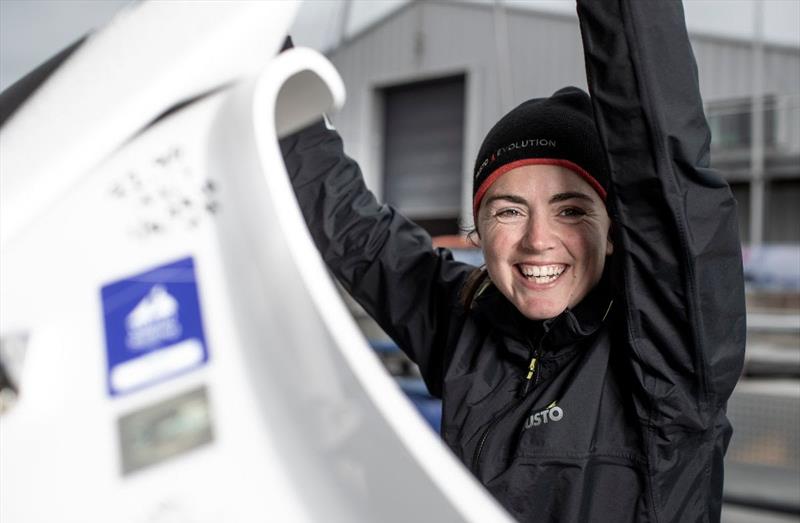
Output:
x,y
577,169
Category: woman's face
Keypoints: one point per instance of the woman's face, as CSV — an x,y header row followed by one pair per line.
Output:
x,y
545,236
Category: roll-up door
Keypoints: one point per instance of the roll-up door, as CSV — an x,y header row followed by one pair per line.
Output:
x,y
423,144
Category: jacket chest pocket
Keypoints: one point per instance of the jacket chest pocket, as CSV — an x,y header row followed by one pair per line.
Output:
x,y
564,427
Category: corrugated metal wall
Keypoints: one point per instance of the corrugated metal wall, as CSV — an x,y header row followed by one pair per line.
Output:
x,y
434,39
725,68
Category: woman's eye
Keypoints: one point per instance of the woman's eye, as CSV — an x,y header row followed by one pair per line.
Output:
x,y
572,212
508,215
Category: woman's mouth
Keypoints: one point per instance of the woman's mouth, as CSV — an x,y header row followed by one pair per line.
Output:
x,y
541,273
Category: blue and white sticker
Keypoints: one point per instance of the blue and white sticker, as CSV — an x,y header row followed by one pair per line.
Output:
x,y
153,327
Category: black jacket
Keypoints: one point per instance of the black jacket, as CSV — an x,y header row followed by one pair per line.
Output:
x,y
623,418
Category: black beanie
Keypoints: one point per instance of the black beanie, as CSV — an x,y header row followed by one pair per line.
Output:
x,y
559,130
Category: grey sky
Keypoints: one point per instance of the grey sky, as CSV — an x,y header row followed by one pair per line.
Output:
x,y
33,30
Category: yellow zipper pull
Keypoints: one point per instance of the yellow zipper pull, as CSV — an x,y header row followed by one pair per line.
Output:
x,y
531,371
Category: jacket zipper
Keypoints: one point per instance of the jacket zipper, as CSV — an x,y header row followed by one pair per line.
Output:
x,y
475,460
531,371
531,378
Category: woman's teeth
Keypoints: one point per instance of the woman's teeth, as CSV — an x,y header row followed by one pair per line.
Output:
x,y
542,273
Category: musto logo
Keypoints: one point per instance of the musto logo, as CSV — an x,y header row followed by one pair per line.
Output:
x,y
552,413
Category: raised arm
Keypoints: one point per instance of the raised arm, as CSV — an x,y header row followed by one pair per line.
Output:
x,y
385,261
675,219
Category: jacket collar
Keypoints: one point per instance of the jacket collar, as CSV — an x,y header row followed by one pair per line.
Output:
x,y
560,332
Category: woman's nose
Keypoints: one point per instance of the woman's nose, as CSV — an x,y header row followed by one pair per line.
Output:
x,y
539,235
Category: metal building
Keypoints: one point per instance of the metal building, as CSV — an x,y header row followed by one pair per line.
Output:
x,y
427,82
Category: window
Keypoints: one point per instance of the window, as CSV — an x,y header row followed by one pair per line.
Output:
x,y
730,123
782,212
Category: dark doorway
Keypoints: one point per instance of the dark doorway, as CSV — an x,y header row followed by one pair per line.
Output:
x,y
423,149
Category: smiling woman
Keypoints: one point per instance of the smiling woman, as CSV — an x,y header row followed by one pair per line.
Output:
x,y
545,235
539,206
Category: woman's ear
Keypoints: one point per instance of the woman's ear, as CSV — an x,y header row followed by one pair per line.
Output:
x,y
610,237
474,238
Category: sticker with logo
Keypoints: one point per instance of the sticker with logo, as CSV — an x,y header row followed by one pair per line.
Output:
x,y
550,414
153,327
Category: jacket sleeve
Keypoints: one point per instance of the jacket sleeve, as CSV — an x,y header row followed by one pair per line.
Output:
x,y
676,222
385,261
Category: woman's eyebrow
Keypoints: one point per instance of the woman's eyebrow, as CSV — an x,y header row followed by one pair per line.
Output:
x,y
569,195
507,197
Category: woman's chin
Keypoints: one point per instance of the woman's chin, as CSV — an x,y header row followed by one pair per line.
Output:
x,y
543,310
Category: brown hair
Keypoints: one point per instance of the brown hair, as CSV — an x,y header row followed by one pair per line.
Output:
x,y
476,282
478,279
